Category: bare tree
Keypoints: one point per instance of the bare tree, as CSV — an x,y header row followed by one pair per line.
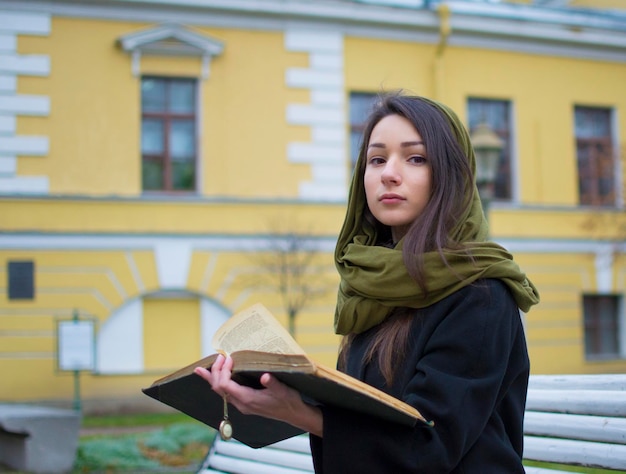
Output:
x,y
292,265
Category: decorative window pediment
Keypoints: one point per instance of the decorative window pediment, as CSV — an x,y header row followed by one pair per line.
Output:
x,y
170,40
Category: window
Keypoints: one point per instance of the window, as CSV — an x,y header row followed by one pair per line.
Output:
x,y
496,114
602,315
168,134
360,107
596,163
21,276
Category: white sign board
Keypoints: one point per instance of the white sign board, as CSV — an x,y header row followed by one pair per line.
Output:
x,y
76,344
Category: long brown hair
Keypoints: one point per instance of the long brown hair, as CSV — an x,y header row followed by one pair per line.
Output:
x,y
451,196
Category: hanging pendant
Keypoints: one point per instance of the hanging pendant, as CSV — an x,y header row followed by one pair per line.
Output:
x,y
226,427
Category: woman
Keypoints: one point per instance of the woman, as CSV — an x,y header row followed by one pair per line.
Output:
x,y
428,308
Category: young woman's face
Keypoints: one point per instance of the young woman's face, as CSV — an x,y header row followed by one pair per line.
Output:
x,y
397,174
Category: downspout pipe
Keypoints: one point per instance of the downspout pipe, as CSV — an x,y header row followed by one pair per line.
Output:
x,y
445,29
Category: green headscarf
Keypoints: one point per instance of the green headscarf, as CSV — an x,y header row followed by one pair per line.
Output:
x,y
374,279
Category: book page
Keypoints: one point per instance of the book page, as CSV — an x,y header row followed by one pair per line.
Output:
x,y
254,329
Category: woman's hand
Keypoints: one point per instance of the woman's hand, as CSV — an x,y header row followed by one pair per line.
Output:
x,y
276,400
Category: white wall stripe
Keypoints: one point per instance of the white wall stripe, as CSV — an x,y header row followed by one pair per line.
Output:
x,y
91,292
209,270
24,145
323,192
120,341
173,260
24,185
325,97
324,79
23,104
328,174
298,114
314,40
27,65
212,316
8,165
604,270
8,43
308,153
323,134
307,78
8,84
132,265
324,61
25,23
7,125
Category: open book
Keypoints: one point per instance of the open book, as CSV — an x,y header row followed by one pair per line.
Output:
x,y
258,343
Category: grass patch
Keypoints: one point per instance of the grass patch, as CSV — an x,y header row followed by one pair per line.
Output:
x,y
176,443
140,419
568,468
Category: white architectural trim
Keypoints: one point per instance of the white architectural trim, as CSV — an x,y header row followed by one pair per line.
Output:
x,y
24,145
119,343
24,185
212,316
12,65
8,84
326,154
173,261
25,65
23,104
170,40
7,125
8,166
592,34
8,43
36,22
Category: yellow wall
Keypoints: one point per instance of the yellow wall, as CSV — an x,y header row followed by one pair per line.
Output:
x,y
94,126
94,168
176,321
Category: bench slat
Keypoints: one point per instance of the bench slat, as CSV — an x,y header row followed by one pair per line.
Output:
x,y
583,453
611,382
246,466
586,402
267,455
298,444
582,427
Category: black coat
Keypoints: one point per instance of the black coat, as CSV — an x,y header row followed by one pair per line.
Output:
x,y
466,369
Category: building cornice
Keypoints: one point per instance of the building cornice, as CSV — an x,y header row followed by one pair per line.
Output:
x,y
593,34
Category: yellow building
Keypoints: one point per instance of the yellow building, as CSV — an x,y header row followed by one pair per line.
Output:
x,y
152,151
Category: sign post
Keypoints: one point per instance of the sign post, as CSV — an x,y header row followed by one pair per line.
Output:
x,y
76,349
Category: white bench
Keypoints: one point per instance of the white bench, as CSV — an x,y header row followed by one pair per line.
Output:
x,y
291,456
576,420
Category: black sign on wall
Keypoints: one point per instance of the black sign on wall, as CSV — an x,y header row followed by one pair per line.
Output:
x,y
21,276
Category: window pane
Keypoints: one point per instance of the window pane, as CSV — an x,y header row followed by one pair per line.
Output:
x,y
182,140
151,137
152,175
355,144
169,134
183,97
496,114
592,123
21,280
360,107
153,98
183,175
596,163
601,314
